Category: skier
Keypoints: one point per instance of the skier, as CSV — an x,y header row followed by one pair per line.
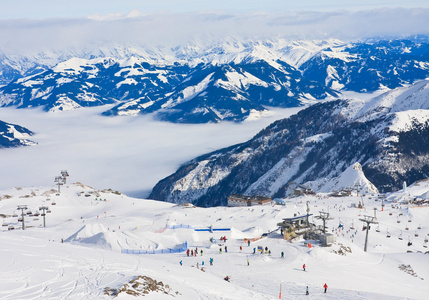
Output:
x,y
303,267
254,250
248,262
241,248
226,249
227,278
180,262
201,251
325,286
192,252
283,255
306,290
248,243
220,250
187,252
211,261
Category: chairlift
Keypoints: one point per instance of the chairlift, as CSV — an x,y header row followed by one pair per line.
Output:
x,y
409,221
378,228
390,214
11,227
5,224
15,215
398,221
352,227
409,242
48,211
387,233
406,228
420,226
53,203
43,214
416,234
20,219
400,236
425,244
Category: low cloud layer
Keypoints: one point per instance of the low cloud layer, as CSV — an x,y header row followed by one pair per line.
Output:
x,y
170,30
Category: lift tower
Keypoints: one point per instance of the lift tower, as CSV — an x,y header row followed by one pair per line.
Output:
x,y
368,220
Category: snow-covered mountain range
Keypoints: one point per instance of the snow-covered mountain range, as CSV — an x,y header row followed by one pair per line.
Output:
x,y
199,83
386,135
12,135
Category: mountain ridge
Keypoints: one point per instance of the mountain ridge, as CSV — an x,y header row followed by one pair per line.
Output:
x,y
319,142
264,73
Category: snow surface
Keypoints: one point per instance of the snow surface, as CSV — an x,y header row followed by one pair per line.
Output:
x,y
95,225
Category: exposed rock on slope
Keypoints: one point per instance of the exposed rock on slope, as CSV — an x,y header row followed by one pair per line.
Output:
x,y
317,143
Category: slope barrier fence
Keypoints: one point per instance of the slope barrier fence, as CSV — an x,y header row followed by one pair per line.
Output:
x,y
181,248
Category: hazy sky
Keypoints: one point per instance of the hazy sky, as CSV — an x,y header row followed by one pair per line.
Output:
x,y
41,9
28,25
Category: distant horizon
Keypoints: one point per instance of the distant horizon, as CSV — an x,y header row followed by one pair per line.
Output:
x,y
105,9
48,25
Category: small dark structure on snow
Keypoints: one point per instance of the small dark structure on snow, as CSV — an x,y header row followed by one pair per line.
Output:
x,y
295,226
242,200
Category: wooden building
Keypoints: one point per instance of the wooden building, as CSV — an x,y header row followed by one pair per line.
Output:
x,y
242,200
292,227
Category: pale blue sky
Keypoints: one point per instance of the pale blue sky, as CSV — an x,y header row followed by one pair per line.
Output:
x,y
46,9
38,25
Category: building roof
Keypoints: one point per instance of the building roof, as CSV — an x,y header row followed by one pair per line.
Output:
x,y
297,218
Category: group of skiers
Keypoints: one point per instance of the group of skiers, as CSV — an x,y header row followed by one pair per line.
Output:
x,y
193,253
325,286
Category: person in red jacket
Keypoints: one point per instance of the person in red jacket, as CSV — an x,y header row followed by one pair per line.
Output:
x,y
325,287
303,267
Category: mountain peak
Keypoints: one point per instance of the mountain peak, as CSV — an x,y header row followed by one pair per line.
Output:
x,y
352,178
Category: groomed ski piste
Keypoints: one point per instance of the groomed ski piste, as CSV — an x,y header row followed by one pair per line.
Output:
x,y
78,255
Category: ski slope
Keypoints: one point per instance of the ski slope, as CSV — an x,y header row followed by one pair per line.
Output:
x,y
96,225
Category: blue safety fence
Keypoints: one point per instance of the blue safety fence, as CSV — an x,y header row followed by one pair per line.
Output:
x,y
197,229
182,248
212,229
179,226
